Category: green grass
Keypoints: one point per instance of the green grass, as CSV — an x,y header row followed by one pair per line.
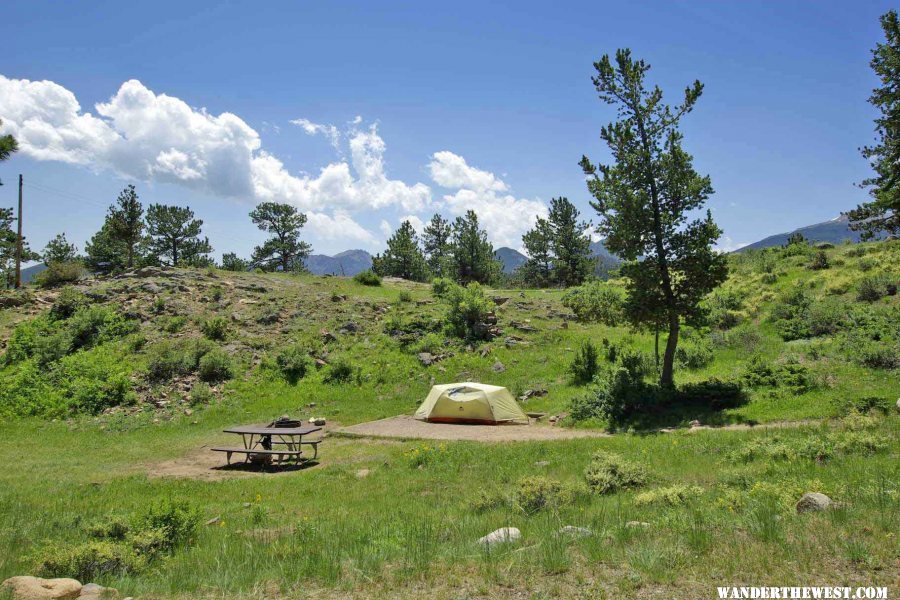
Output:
x,y
409,527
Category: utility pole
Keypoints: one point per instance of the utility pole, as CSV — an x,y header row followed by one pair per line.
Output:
x,y
19,240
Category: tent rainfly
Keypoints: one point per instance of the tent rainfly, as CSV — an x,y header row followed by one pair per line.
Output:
x,y
468,402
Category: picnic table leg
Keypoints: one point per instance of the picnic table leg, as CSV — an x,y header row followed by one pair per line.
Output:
x,y
228,456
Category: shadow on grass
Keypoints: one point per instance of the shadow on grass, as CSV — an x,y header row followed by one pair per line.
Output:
x,y
251,467
706,402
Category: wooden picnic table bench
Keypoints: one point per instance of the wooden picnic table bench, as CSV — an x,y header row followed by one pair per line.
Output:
x,y
258,440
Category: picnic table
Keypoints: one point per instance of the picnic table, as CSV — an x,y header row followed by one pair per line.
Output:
x,y
259,440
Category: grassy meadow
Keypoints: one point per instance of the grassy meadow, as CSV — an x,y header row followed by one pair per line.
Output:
x,y
83,436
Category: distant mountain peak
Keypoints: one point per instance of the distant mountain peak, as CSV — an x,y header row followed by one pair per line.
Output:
x,y
834,230
347,263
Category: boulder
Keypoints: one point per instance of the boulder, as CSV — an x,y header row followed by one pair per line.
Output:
x,y
93,591
637,524
426,358
498,367
25,587
504,535
814,501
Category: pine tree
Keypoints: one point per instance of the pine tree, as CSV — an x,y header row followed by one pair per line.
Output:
x,y
472,255
403,258
8,145
284,249
645,199
175,236
571,246
232,262
537,271
125,224
436,245
883,213
59,250
8,236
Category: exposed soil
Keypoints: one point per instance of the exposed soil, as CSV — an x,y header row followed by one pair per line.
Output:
x,y
407,427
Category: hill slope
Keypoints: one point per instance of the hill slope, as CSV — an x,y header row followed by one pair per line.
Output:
x,y
835,231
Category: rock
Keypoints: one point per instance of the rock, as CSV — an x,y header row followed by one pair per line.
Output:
x,y
637,524
575,532
500,300
542,463
13,300
318,421
25,587
148,272
214,520
504,535
426,358
814,501
350,327
327,336
151,287
362,473
93,591
498,367
695,423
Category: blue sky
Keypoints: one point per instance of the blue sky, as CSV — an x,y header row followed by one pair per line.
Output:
x,y
365,113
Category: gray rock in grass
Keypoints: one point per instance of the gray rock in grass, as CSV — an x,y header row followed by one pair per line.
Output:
x,y
814,501
575,532
504,535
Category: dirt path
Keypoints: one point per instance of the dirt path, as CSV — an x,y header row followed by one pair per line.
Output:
x,y
407,427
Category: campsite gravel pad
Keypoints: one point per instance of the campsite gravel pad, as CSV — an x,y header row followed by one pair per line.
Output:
x,y
408,427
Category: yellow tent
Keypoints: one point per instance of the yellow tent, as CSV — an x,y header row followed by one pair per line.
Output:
x,y
470,403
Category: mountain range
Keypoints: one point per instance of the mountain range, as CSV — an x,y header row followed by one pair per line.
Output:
x,y
347,263
834,231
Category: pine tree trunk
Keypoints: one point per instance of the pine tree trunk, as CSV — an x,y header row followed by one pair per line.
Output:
x,y
667,378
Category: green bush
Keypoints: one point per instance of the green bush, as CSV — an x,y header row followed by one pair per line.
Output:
x,y
88,561
404,296
585,365
168,359
608,473
216,293
826,317
790,374
873,289
694,354
674,495
724,308
94,325
339,371
467,312
92,381
67,303
536,492
791,314
216,366
367,278
178,522
214,328
819,261
440,286
863,405
201,394
174,324
158,306
595,301
618,394
58,273
293,362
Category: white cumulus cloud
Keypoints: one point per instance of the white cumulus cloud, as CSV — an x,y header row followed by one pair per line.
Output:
x,y
143,135
504,217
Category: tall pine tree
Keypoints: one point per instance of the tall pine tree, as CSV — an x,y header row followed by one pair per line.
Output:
x,y
285,249
572,261
645,199
436,245
125,224
537,271
472,255
175,236
403,258
882,214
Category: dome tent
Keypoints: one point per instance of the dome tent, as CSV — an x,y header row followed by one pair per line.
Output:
x,y
475,403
